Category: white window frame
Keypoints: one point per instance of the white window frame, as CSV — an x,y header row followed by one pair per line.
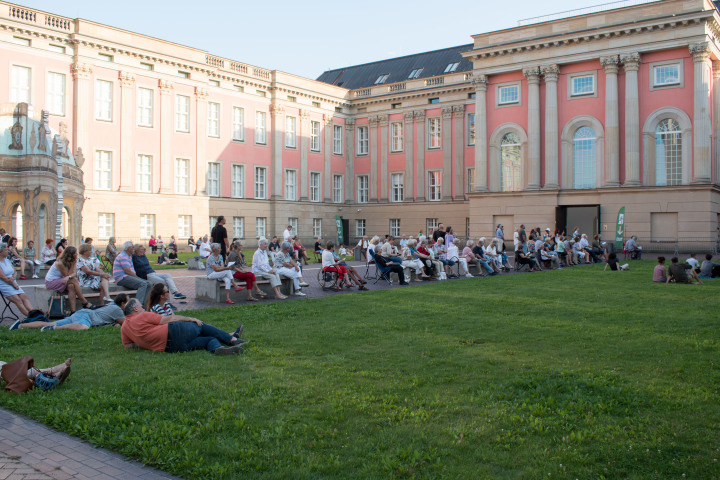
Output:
x,y
237,180
55,94
337,139
182,113
434,185
314,136
182,176
144,173
653,75
470,179
260,226
145,100
360,227
184,226
395,227
106,225
290,132
104,100
431,225
293,223
502,88
261,183
382,78
260,127
20,93
451,67
434,133
238,227
338,184
317,227
315,185
397,187
147,225
291,184
103,169
471,130
363,140
572,94
363,188
397,137
213,119
415,73
238,124
213,178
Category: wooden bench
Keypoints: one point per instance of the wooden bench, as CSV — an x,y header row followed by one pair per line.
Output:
x,y
42,296
212,290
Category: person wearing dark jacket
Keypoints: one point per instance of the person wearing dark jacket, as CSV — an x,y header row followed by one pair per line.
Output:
x,y
142,267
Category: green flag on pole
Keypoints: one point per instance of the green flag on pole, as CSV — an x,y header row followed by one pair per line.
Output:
x,y
620,229
338,223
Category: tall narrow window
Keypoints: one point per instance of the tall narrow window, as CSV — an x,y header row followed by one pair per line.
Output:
x,y
337,188
360,227
260,226
103,170
182,176
290,132
184,226
290,184
397,193
213,119
362,188
337,139
395,227
668,153
434,132
584,158
434,186
55,93
293,222
396,133
144,173
147,225
317,227
471,129
260,122
314,187
144,107
260,182
239,227
511,163
103,100
19,84
237,181
238,124
362,141
182,113
213,177
470,180
431,225
106,224
315,136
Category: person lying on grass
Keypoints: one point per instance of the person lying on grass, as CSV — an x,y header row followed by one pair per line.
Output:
x,y
681,273
175,333
110,314
21,375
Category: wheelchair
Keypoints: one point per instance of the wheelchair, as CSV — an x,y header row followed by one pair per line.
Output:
x,y
327,280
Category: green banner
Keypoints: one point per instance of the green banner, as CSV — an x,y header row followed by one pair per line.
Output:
x,y
620,229
338,223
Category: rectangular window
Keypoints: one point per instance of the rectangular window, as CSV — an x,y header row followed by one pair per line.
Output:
x,y
261,93
147,66
470,174
395,227
212,223
471,129
55,93
664,75
25,42
213,119
56,48
239,227
260,118
362,141
382,78
316,104
103,100
337,188
362,188
415,73
103,170
213,177
434,132
360,227
184,226
290,184
582,85
182,74
396,134
451,67
260,182
508,94
260,226
144,107
182,113
337,139
292,99
315,136
182,176
317,227
314,187
395,105
106,225
214,83
434,100
105,57
293,222
147,225
239,88
237,181
434,186
290,132
20,84
144,173
238,124
431,225
397,193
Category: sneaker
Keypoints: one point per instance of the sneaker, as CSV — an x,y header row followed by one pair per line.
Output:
x,y
300,294
47,327
179,296
35,276
107,299
304,284
15,325
229,350
172,306
469,275
46,382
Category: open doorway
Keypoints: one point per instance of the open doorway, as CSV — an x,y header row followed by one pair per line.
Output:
x,y
585,217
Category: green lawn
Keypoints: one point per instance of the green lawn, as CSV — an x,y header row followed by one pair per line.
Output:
x,y
570,374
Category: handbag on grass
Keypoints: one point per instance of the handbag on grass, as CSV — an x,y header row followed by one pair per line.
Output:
x,y
56,307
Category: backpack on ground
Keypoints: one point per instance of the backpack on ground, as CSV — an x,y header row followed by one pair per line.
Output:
x,y
56,307
36,316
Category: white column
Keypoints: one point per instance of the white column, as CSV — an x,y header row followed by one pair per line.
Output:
x,y
532,74
276,170
201,161
349,160
327,173
480,82
631,63
383,172
550,74
409,161
420,142
126,113
701,113
303,135
459,143
82,107
447,152
167,117
373,146
716,120
612,122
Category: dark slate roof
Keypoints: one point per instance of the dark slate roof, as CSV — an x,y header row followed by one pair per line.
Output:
x,y
433,63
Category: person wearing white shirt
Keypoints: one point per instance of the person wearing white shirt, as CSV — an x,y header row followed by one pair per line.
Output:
x,y
453,253
287,234
262,269
287,267
692,261
363,246
204,249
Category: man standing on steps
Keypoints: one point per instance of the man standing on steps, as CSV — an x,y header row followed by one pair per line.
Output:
x,y
219,235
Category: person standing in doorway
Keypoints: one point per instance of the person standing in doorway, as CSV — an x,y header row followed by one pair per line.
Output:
x,y
219,236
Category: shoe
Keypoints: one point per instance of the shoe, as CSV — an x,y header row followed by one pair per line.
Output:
x,y
403,283
23,277
107,299
252,299
47,327
300,294
179,296
239,289
15,325
63,375
304,284
46,382
229,350
35,276
173,307
363,287
239,331
229,302
469,275
281,297
261,294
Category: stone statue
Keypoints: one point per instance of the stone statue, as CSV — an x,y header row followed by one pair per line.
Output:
x,y
61,142
33,138
16,135
79,158
2,203
36,199
43,131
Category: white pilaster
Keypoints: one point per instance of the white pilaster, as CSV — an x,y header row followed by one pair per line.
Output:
x,y
166,117
327,173
201,161
480,82
276,171
420,142
349,160
631,63
612,122
409,161
81,73
383,172
532,74
550,75
458,142
701,113
373,146
126,114
303,132
716,120
447,114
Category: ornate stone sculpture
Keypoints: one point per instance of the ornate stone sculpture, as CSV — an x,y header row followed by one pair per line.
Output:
x,y
61,142
16,135
43,131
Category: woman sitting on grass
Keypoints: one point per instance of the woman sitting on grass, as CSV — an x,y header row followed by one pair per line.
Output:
x,y
659,272
62,277
612,262
216,270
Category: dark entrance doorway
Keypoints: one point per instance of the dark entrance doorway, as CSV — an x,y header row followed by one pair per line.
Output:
x,y
346,231
585,217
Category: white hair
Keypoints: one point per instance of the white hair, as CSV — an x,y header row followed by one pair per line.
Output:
x,y
128,244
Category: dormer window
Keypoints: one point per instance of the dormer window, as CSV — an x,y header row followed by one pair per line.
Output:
x,y
415,73
381,79
451,67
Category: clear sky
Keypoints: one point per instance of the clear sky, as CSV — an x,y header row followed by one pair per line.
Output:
x,y
307,38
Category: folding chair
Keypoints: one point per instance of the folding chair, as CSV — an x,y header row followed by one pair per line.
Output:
x,y
380,271
8,308
371,263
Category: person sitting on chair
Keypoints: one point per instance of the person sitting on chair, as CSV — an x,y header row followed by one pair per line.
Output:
x,y
318,249
287,267
216,270
111,250
390,251
262,269
332,264
8,285
527,258
411,260
633,248
385,263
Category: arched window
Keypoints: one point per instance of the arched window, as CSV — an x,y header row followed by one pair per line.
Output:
x,y
41,226
65,228
668,153
510,163
584,161
16,227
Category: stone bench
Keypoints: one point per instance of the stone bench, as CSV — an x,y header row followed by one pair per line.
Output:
x,y
212,290
42,271
42,296
196,263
